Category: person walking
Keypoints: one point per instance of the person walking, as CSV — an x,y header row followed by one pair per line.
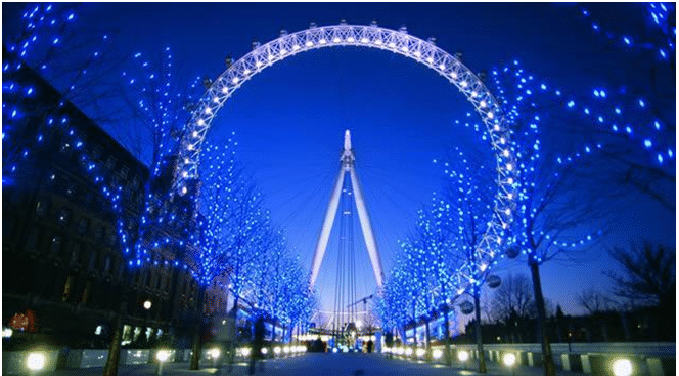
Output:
x,y
258,344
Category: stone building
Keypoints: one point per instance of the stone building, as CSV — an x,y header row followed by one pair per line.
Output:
x,y
62,260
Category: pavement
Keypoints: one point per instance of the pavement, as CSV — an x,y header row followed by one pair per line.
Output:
x,y
315,364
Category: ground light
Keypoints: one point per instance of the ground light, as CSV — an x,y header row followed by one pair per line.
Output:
x,y
214,354
463,356
509,359
265,351
437,354
36,361
277,350
162,356
622,367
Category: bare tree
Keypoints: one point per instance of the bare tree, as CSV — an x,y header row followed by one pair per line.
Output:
x,y
513,297
647,274
594,300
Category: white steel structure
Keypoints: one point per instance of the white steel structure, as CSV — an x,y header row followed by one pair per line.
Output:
x,y
400,42
348,166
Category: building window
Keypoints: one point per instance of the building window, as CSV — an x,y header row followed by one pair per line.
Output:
x,y
75,252
64,216
112,240
52,177
70,190
86,291
96,152
41,207
93,260
121,270
124,172
56,245
66,289
111,162
99,233
107,263
33,240
83,224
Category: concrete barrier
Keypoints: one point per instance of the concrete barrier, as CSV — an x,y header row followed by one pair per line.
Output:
x,y
522,358
86,358
661,367
534,358
134,357
571,362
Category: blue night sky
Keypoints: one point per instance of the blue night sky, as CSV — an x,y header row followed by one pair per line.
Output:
x,y
290,119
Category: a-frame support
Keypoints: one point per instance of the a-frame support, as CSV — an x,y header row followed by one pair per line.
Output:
x,y
348,166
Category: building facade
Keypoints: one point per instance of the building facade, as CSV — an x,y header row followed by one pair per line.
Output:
x,y
64,274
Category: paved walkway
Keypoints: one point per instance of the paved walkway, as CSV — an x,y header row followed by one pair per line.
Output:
x,y
327,365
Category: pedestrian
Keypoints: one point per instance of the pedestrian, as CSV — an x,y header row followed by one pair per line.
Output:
x,y
258,344
370,346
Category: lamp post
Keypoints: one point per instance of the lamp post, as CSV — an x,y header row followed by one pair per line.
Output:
x,y
147,307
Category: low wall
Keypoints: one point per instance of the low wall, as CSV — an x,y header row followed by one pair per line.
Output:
x,y
596,364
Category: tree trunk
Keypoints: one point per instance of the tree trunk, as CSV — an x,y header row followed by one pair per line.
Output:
x,y
625,324
447,334
544,337
479,338
427,339
195,356
113,358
